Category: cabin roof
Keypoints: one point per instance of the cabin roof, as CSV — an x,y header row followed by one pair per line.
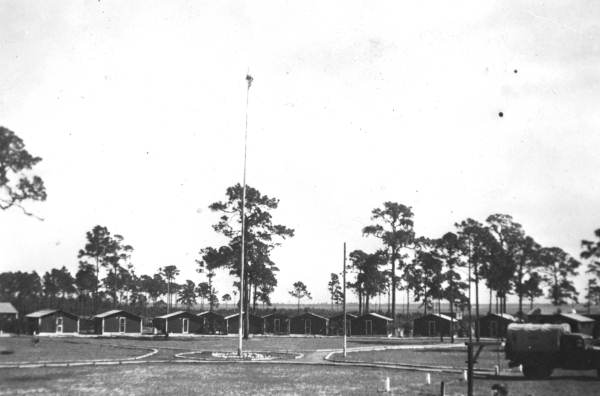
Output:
x,y
7,308
172,314
376,315
113,312
311,314
41,313
577,317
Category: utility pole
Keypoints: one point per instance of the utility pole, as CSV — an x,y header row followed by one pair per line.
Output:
x,y
344,288
243,247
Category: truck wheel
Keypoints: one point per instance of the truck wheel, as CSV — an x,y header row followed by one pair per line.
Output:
x,y
537,370
529,370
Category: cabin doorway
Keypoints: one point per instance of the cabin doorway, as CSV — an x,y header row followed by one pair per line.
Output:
x,y
59,324
277,325
368,327
493,329
185,326
122,325
307,326
431,328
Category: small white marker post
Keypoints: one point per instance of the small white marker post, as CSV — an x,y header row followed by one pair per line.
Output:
x,y
496,370
386,384
465,375
428,379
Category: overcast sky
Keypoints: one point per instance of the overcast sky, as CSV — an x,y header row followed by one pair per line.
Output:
x,y
137,109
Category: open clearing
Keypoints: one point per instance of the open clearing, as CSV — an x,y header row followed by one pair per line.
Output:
x,y
274,378
60,349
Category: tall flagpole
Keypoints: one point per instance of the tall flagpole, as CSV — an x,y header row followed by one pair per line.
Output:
x,y
344,280
243,247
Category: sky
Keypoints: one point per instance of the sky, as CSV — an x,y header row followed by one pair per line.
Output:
x,y
138,111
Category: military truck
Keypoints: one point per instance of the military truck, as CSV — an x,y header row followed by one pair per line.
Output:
x,y
540,348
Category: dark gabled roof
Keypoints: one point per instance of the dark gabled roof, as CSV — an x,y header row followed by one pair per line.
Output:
x,y
213,313
576,317
176,313
341,315
310,314
440,316
503,316
45,312
238,314
7,308
276,314
376,315
113,312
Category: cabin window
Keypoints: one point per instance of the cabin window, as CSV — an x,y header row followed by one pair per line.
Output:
x,y
122,325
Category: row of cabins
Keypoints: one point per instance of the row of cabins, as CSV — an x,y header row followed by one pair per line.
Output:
x,y
494,325
116,322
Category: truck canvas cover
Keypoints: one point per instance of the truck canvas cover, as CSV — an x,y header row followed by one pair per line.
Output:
x,y
528,337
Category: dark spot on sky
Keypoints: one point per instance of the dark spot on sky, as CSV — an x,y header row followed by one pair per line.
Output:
x,y
500,114
516,71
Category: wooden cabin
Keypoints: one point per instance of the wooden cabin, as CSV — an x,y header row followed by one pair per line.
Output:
x,y
117,322
372,324
494,325
52,322
434,324
309,323
232,324
336,324
212,323
8,317
276,323
178,323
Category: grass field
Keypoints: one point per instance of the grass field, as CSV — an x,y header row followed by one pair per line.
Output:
x,y
61,349
263,379
255,378
455,358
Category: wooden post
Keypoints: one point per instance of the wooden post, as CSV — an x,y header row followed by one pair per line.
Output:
x,y
469,368
344,290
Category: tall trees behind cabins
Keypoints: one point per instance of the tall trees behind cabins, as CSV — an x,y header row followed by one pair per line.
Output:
x,y
591,253
449,251
393,225
560,269
369,281
427,273
335,290
261,237
300,291
169,272
478,246
107,251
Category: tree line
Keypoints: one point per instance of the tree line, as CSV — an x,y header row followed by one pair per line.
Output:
x,y
498,252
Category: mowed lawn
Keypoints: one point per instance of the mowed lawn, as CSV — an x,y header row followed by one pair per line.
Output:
x,y
260,379
256,343
454,358
22,349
